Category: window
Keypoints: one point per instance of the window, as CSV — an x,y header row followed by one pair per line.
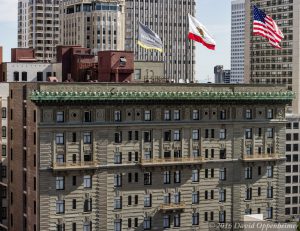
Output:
x,y
3,149
195,219
117,180
60,183
147,223
195,134
195,175
118,158
39,76
4,112
223,115
147,115
118,225
222,134
147,136
136,199
195,115
176,115
248,194
167,115
269,212
248,173
87,226
222,216
87,116
222,174
222,153
129,223
60,158
87,206
147,155
117,116
269,132
136,177
269,171
118,202
166,221
177,176
59,116
60,206
167,177
74,204
270,114
269,192
177,220
176,135
87,137
60,227
222,195
295,125
147,178
248,114
195,197
60,138
136,135
248,133
3,131
16,76
196,153
87,181
167,136
148,200
118,137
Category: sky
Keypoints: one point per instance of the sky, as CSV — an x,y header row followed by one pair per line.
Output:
x,y
214,14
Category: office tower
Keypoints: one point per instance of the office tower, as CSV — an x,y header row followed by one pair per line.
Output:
x,y
237,41
221,75
264,63
115,156
98,25
169,19
38,27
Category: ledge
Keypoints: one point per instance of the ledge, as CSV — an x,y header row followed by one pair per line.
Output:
x,y
40,96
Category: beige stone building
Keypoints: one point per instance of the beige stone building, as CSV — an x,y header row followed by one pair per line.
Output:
x,y
99,25
115,157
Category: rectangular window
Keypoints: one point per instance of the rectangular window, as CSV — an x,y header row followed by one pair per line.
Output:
x,y
3,149
87,205
270,114
148,200
3,112
118,225
177,135
167,136
177,176
176,115
87,181
118,202
147,115
166,221
223,115
269,171
222,195
248,114
87,116
270,132
39,76
147,136
195,134
177,220
269,192
248,133
118,158
222,174
60,183
248,194
60,138
87,137
147,223
60,206
167,177
248,173
118,137
195,115
195,219
195,175
117,180
117,116
222,217
195,197
167,115
147,178
269,212
60,117
222,134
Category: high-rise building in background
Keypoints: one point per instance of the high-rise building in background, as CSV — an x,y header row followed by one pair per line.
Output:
x,y
264,64
221,75
38,27
99,25
237,41
169,19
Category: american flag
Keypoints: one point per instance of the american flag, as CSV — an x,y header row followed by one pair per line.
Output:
x,y
265,26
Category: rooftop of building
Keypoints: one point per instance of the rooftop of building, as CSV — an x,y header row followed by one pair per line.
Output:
x,y
68,92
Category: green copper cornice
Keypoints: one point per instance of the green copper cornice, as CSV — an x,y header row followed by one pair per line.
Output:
x,y
47,96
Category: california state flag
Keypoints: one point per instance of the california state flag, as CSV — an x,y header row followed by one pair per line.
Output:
x,y
198,33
